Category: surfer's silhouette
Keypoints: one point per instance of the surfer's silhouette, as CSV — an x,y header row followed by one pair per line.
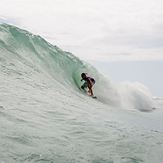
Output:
x,y
89,82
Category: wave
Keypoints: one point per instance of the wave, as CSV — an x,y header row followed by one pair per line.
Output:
x,y
20,47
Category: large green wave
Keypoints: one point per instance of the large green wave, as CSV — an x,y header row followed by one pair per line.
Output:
x,y
36,51
21,47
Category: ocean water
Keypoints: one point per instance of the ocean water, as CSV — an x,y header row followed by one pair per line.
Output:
x,y
46,118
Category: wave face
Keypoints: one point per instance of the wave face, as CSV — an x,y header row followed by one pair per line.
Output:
x,y
35,52
44,116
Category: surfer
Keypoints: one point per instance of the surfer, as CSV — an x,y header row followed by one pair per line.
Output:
x,y
89,82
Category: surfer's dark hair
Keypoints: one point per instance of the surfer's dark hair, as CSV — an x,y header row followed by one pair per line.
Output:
x,y
83,75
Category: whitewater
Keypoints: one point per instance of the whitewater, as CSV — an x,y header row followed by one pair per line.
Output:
x,y
46,118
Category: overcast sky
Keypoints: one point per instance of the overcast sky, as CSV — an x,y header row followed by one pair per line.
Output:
x,y
93,29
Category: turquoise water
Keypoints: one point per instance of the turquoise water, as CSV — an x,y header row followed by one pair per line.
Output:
x,y
44,117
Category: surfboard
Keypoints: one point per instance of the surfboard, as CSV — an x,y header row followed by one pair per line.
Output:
x,y
94,97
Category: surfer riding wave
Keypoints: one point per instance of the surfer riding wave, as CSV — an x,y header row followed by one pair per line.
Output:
x,y
89,82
